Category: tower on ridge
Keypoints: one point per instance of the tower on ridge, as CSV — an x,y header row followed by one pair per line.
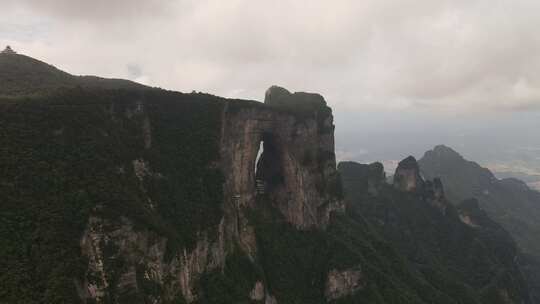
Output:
x,y
8,50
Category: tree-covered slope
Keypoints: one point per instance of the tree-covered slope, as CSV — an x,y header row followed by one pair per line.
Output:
x,y
467,263
79,155
23,75
509,201
74,155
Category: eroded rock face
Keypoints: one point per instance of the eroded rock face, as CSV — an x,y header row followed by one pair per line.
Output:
x,y
297,166
343,283
122,260
434,191
407,177
470,213
297,174
257,293
362,179
376,178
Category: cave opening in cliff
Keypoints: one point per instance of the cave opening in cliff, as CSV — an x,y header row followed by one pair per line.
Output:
x,y
268,172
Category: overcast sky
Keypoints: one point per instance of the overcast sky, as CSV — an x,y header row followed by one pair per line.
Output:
x,y
436,57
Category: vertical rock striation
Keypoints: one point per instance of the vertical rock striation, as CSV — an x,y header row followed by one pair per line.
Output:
x,y
296,174
297,165
343,283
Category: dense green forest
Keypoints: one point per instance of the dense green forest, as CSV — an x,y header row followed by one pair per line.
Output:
x,y
68,155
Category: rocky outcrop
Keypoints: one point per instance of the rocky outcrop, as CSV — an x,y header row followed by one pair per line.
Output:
x,y
257,293
368,178
123,260
470,213
343,283
296,174
407,177
376,178
297,167
434,192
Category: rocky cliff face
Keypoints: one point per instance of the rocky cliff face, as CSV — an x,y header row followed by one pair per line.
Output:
x,y
142,255
158,190
407,177
295,173
340,284
297,167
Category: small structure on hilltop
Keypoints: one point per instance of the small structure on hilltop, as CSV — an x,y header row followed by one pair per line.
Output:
x,y
8,50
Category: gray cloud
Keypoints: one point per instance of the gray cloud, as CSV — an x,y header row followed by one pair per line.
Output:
x,y
439,55
96,10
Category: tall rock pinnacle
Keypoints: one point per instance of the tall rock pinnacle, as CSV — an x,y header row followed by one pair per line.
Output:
x,y
407,177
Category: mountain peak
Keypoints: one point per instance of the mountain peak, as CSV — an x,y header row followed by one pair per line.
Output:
x,y
276,93
408,163
281,97
443,151
407,177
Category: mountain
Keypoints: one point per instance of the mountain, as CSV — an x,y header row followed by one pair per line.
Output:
x,y
117,196
508,201
119,193
462,254
23,75
114,195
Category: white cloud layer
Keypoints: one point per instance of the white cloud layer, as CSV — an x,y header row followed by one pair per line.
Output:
x,y
438,55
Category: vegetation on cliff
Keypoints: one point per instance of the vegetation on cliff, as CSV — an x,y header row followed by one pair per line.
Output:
x,y
466,264
76,149
71,154
509,201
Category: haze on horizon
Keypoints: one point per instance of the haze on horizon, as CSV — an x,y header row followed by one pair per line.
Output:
x,y
401,76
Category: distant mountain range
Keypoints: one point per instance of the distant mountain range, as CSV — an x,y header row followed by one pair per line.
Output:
x,y
508,201
532,180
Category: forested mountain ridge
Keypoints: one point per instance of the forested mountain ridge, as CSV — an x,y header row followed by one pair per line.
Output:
x,y
460,251
21,75
121,193
508,201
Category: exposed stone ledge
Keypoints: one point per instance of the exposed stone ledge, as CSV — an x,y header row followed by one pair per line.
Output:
x,y
343,283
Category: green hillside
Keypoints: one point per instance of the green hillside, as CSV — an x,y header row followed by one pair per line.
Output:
x,y
23,75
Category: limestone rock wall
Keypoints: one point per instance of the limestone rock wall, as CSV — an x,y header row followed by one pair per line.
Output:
x,y
407,177
123,260
343,283
297,170
297,167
